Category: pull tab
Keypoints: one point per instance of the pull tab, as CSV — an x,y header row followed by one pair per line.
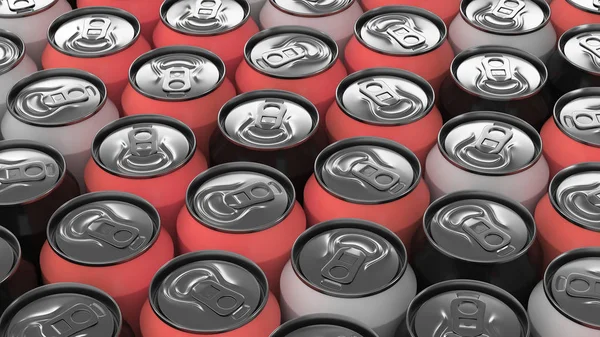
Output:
x,y
379,92
223,301
375,175
73,321
343,267
578,116
591,44
467,313
508,9
279,57
106,230
143,141
70,94
22,173
493,138
591,291
497,68
406,36
95,28
21,5
207,9
483,232
253,194
177,80
270,120
594,197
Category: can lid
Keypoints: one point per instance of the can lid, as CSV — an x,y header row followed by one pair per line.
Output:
x,y
204,17
240,197
592,6
209,292
571,285
143,146
10,253
580,46
575,194
103,228
466,308
367,170
323,325
12,51
577,115
312,8
177,73
490,143
385,96
291,52
56,97
268,119
62,309
349,258
93,32
400,30
19,8
506,17
499,73
479,227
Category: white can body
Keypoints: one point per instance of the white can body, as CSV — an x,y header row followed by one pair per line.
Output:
x,y
25,68
526,187
255,8
383,312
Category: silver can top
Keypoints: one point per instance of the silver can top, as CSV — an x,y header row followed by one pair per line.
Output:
x,y
312,8
20,8
592,6
204,17
12,51
575,193
506,17
581,47
577,114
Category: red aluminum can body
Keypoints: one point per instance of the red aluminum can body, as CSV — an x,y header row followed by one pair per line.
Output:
x,y
446,10
567,14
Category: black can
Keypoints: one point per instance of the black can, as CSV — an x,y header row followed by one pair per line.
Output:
x,y
493,78
478,236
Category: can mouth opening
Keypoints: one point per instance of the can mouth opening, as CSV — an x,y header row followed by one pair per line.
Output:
x,y
583,8
31,13
568,35
20,46
436,20
568,98
149,56
219,170
315,15
368,226
544,6
76,13
322,319
204,255
516,207
399,73
493,116
13,242
258,37
50,73
268,93
129,120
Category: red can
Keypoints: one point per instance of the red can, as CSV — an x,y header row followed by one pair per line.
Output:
x,y
154,157
447,9
368,178
101,40
186,83
245,208
210,293
404,37
109,240
388,103
567,14
293,58
221,26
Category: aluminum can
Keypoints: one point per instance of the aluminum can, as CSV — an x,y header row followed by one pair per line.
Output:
x,y
446,10
107,233
50,104
350,267
567,216
479,236
154,157
30,20
403,37
388,103
368,178
226,295
497,79
489,152
574,13
292,58
465,308
335,18
101,40
520,24
221,26
323,325
186,83
272,127
563,303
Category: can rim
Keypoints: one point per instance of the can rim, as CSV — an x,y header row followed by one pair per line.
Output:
x,y
559,178
287,11
319,319
49,73
202,255
544,6
436,20
581,7
122,122
258,37
14,38
148,56
385,71
12,240
219,170
167,4
533,60
43,9
535,137
349,223
81,200
464,284
553,267
567,35
377,141
514,206
57,289
568,98
267,93
79,12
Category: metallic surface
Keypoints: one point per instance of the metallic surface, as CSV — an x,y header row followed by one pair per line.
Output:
x,y
582,48
19,8
204,17
511,17
577,114
311,7
578,198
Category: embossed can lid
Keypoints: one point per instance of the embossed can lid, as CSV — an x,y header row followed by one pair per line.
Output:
x,y
312,8
204,17
323,325
10,253
506,17
577,115
12,51
19,8
581,47
591,6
